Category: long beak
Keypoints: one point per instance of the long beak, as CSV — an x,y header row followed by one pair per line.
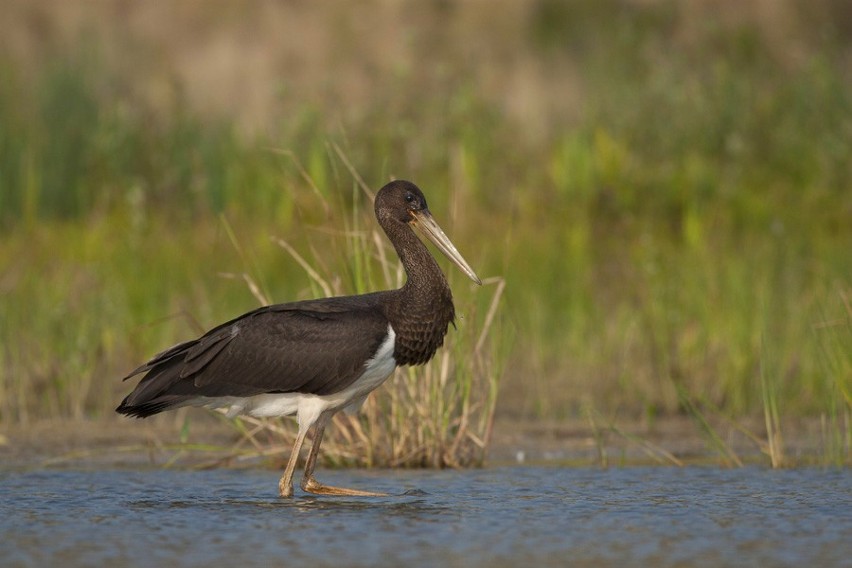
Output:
x,y
423,220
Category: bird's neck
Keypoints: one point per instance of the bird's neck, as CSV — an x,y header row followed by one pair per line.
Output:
x,y
424,308
426,281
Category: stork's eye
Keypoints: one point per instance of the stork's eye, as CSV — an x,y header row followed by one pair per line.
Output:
x,y
409,198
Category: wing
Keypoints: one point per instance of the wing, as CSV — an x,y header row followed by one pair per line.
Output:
x,y
318,346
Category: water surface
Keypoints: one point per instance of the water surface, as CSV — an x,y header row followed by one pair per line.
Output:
x,y
524,516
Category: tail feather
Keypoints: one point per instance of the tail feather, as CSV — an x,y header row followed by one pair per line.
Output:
x,y
151,407
170,376
159,358
151,396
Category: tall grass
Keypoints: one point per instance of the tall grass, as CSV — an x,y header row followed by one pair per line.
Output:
x,y
675,235
834,336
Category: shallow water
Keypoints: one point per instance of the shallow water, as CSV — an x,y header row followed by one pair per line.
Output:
x,y
502,516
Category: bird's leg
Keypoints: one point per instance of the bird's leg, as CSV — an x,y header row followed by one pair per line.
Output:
x,y
310,484
285,486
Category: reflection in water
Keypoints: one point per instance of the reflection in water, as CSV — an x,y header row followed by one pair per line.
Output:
x,y
515,516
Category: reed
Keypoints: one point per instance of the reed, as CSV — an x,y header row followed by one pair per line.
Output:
x,y
772,420
834,336
727,455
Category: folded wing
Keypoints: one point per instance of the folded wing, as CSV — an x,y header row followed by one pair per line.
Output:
x,y
319,347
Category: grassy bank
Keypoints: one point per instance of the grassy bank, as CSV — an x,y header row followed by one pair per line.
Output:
x,y
665,190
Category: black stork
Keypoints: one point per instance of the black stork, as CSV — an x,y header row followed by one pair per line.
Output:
x,y
316,357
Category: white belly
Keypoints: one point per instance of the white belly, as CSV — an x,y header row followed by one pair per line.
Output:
x,y
308,407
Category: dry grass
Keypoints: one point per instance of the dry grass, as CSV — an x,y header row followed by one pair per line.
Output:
x,y
437,415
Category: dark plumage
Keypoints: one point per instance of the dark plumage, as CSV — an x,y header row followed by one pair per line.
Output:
x,y
300,347
314,357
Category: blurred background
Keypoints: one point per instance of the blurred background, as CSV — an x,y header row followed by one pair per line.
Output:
x,y
666,188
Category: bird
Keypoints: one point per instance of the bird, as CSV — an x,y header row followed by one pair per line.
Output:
x,y
314,358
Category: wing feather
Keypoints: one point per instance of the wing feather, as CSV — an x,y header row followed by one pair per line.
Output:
x,y
318,346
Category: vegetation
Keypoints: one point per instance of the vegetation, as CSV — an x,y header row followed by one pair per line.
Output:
x,y
665,190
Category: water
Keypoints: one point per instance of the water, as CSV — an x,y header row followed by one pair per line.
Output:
x,y
494,517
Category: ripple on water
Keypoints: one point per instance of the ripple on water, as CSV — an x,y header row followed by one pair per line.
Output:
x,y
504,516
